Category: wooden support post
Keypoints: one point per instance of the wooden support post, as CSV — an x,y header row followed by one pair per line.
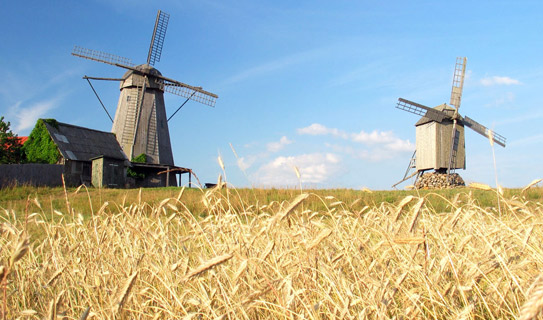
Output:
x,y
190,179
167,177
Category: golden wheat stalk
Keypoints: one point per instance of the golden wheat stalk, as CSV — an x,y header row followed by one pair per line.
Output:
x,y
416,213
267,251
85,314
402,204
533,183
322,235
55,276
242,267
54,306
412,240
480,186
208,265
20,251
123,297
282,214
534,304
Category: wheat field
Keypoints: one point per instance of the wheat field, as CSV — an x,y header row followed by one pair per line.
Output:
x,y
284,260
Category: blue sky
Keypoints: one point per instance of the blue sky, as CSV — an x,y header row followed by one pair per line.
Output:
x,y
306,84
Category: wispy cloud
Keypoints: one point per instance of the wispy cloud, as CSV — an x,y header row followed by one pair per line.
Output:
x,y
278,145
277,64
26,116
496,80
314,168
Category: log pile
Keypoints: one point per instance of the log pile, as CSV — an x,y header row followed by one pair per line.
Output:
x,y
437,180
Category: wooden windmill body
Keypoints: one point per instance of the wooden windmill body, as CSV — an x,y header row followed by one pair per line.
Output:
x,y
433,143
141,127
141,123
440,138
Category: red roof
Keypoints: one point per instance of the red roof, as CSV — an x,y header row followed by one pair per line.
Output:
x,y
20,140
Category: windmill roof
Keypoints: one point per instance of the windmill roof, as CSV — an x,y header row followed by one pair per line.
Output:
x,y
144,68
443,108
83,144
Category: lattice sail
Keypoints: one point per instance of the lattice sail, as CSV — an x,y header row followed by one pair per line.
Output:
x,y
458,81
159,33
484,131
192,93
101,57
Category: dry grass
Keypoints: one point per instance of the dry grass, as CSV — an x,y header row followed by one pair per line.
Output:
x,y
140,260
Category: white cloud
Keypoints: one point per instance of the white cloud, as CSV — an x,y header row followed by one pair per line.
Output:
x,y
317,129
245,163
379,139
314,168
373,137
400,145
496,80
26,117
276,146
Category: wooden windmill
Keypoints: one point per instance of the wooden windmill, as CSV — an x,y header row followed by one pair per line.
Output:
x,y
140,123
440,143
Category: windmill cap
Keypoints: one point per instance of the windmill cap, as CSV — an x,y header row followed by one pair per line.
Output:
x,y
145,69
135,79
443,108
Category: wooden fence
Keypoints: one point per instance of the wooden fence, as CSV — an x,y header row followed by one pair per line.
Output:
x,y
34,174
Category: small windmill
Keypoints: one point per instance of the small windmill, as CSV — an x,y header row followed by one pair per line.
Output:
x,y
440,143
140,124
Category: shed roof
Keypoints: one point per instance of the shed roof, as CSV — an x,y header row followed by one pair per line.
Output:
x,y
83,144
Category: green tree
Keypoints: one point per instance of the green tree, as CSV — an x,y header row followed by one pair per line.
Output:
x,y
40,148
11,150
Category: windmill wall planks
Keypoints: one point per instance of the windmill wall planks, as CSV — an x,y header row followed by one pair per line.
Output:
x,y
143,127
433,143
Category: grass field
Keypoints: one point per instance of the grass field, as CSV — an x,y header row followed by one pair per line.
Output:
x,y
275,253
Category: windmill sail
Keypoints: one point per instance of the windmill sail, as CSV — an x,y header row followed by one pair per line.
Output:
x,y
458,82
419,109
484,131
159,33
190,92
104,57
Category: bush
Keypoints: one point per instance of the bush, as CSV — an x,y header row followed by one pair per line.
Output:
x,y
40,148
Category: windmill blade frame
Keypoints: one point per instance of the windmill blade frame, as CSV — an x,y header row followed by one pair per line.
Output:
x,y
103,57
421,110
458,82
193,93
484,131
157,40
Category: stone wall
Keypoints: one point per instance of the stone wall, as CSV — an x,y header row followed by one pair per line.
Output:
x,y
435,180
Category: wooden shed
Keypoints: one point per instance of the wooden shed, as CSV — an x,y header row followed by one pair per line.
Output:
x,y
79,145
108,172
